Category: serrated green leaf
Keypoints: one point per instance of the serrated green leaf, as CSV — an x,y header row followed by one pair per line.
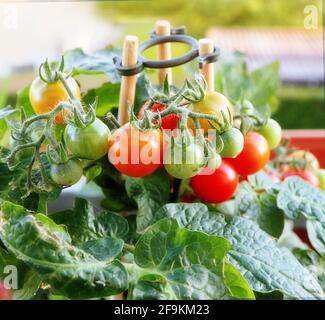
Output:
x,y
150,193
186,264
39,242
298,197
99,62
316,235
262,262
108,97
85,225
23,101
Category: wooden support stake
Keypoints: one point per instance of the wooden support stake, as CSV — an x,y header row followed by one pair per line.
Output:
x,y
128,83
205,47
164,51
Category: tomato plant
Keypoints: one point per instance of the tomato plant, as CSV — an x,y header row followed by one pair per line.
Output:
x,y
216,187
211,223
254,156
135,153
90,142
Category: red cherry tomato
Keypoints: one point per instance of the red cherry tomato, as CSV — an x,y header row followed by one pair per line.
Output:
x,y
135,153
255,155
306,175
5,294
169,122
216,187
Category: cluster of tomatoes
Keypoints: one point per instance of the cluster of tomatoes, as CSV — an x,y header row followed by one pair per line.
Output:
x,y
240,156
302,164
83,143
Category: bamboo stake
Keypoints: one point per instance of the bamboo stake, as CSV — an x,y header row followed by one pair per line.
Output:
x,y
205,47
128,83
164,50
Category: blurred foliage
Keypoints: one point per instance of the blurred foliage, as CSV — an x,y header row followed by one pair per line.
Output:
x,y
199,15
301,108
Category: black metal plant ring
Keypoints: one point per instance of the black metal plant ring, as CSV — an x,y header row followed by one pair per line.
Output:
x,y
178,37
158,64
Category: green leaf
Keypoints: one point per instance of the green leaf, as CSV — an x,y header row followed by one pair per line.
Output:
x,y
271,218
28,280
141,92
316,235
265,82
93,172
84,224
259,86
112,184
23,101
235,283
260,207
108,97
260,181
71,271
186,264
263,263
98,248
298,197
150,193
99,62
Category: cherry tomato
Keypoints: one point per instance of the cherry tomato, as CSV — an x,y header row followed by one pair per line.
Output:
x,y
169,122
45,96
184,162
88,143
272,132
66,174
306,175
321,177
213,103
311,162
135,153
233,141
5,294
217,187
255,155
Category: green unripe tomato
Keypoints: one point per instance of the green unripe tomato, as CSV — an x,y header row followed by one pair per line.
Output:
x,y
272,132
233,141
66,174
88,143
184,162
321,177
215,161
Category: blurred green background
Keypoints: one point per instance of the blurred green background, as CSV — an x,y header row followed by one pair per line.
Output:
x,y
300,105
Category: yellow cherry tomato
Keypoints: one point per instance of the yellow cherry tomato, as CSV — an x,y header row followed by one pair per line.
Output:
x,y
212,103
45,96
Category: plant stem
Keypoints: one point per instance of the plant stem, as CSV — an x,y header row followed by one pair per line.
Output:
x,y
128,247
